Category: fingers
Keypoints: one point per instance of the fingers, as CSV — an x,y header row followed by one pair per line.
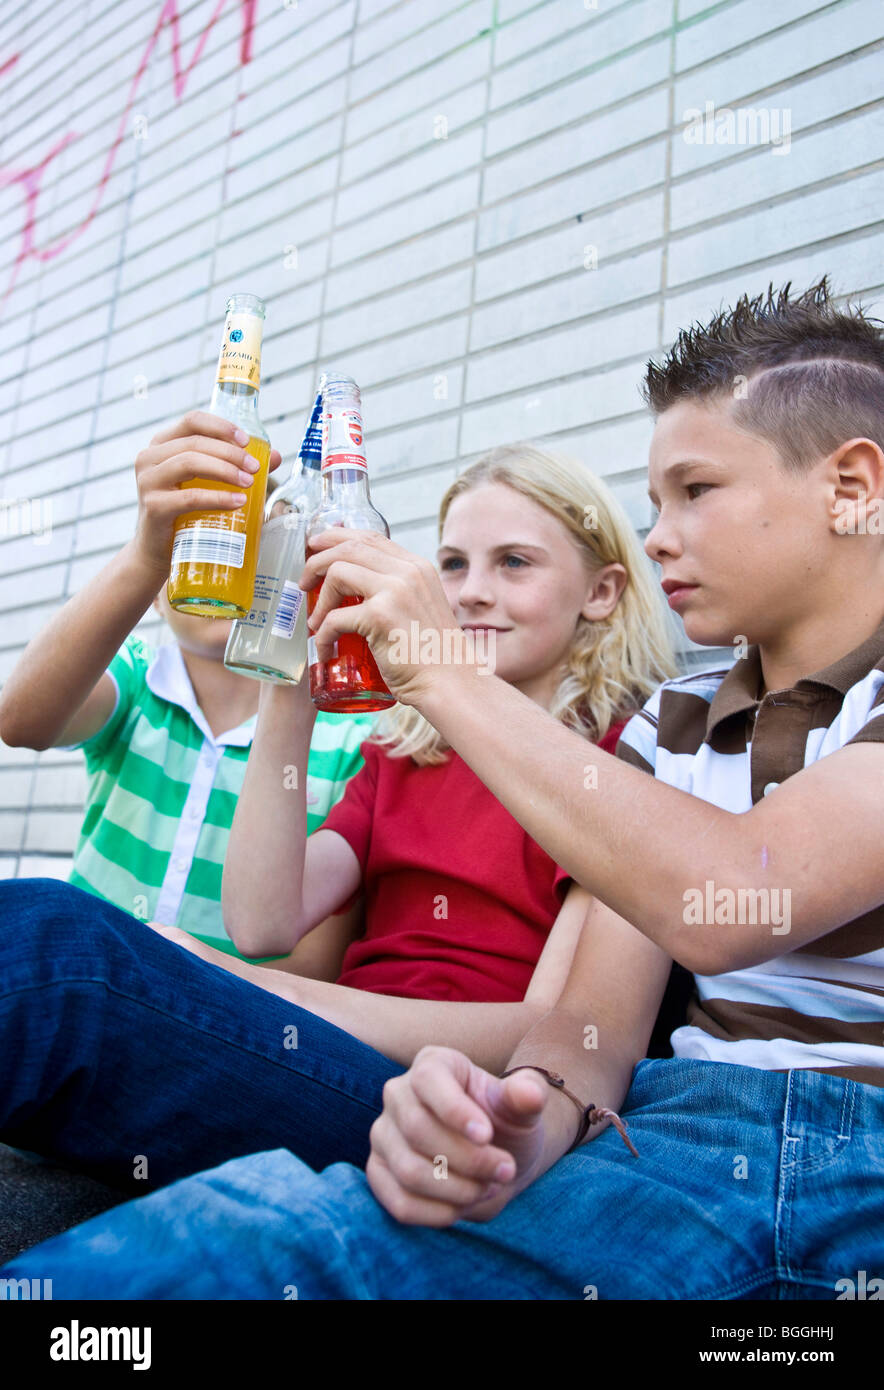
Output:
x,y
433,1176
335,624
431,1160
191,465
440,1080
419,1124
202,423
516,1102
344,580
369,549
403,1205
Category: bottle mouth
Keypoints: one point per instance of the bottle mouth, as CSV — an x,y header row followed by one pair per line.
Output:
x,y
246,303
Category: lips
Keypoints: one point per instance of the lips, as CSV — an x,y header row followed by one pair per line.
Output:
x,y
677,592
482,627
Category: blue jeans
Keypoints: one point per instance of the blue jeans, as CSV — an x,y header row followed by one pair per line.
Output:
x,y
128,1057
750,1184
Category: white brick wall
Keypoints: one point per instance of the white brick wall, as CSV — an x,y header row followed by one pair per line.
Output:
x,y
418,257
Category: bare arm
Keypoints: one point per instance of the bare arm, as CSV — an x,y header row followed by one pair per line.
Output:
x,y
320,954
831,812
500,1136
64,668
59,691
400,1027
277,884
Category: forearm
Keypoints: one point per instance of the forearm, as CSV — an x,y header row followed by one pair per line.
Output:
x,y
594,815
61,665
262,883
401,1027
598,1076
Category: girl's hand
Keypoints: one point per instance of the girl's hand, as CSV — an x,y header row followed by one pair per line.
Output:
x,y
453,1142
404,616
198,446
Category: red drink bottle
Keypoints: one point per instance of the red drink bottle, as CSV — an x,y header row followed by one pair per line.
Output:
x,y
350,680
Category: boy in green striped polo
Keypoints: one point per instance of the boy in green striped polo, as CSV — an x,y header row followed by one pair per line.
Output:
x,y
163,782
166,732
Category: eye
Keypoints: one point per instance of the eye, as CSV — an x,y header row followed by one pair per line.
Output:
x,y
520,563
692,487
451,562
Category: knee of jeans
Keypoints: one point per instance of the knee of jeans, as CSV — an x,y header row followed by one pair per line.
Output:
x,y
47,915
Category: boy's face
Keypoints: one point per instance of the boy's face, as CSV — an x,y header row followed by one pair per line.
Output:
x,y
205,637
747,538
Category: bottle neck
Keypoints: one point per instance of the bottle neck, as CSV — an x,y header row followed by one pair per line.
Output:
x,y
237,401
345,485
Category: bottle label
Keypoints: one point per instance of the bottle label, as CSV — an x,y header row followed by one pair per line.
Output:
x,y
342,440
266,589
287,611
311,449
240,358
198,544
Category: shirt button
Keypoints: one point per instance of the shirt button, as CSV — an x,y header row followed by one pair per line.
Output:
x,y
771,787
194,812
181,865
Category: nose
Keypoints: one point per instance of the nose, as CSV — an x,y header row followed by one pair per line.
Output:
x,y
661,540
476,589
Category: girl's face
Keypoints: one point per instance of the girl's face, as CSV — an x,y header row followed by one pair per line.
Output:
x,y
509,565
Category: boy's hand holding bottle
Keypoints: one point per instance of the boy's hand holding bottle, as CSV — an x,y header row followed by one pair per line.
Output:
x,y
198,446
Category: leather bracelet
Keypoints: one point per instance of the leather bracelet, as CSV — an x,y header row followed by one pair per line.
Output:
x,y
591,1114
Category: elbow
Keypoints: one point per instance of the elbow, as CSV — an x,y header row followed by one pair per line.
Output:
x,y
15,734
254,940
719,958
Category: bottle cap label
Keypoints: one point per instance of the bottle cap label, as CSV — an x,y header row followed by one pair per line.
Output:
x,y
342,440
240,358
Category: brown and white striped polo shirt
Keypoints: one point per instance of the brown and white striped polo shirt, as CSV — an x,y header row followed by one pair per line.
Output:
x,y
821,1006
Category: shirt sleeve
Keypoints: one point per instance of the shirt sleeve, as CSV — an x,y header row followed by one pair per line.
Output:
x,y
353,816
638,740
561,878
127,671
608,744
872,728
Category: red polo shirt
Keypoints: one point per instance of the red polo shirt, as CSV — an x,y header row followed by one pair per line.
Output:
x,y
459,900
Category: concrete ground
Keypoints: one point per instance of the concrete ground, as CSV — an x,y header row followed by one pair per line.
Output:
x,y
39,1199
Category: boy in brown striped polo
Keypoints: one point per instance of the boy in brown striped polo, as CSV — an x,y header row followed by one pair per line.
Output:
x,y
751,855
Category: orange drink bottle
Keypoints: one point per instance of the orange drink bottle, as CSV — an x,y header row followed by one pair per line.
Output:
x,y
215,554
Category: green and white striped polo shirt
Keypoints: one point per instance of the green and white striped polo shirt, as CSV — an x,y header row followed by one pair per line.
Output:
x,y
162,791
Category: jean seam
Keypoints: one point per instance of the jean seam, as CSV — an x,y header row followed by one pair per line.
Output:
x,y
783,1210
165,1013
848,1106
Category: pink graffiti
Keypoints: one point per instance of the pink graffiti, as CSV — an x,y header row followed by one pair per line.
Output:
x,y
30,180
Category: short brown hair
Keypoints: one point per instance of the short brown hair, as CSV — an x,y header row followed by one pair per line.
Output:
x,y
801,373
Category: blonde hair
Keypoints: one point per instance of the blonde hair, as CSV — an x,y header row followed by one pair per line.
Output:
x,y
614,664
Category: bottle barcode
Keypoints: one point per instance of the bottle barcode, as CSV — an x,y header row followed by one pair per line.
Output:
x,y
287,611
204,545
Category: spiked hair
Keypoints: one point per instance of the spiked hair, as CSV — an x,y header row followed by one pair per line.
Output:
x,y
803,374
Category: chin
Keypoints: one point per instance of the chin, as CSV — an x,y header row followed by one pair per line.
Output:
x,y
708,631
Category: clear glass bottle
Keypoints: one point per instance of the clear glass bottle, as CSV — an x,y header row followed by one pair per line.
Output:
x,y
350,680
214,554
270,642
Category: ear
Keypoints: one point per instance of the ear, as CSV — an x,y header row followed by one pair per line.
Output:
x,y
856,479
604,592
